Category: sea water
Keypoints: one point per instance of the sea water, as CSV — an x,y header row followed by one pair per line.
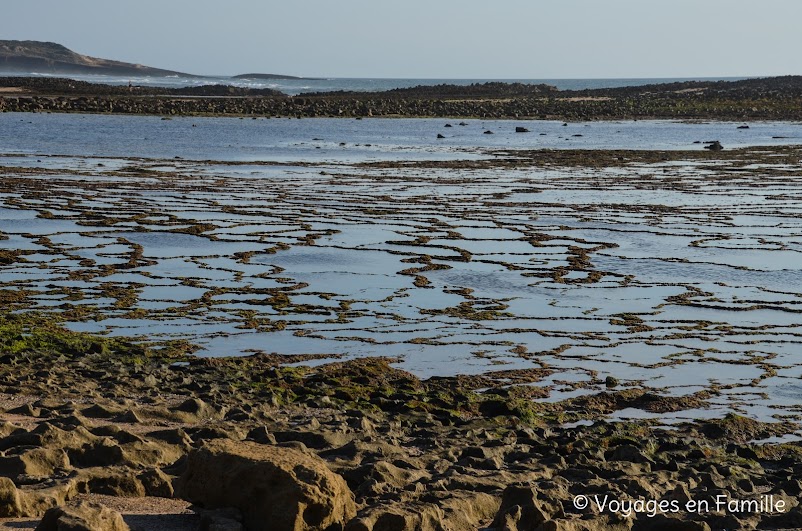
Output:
x,y
298,86
320,139
339,238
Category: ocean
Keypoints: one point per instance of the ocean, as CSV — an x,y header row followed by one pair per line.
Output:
x,y
299,86
340,140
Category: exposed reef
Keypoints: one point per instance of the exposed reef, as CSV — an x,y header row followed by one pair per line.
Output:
x,y
755,99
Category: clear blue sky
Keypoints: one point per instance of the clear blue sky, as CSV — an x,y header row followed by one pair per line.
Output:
x,y
427,38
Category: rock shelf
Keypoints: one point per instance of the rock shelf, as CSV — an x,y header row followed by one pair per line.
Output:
x,y
777,98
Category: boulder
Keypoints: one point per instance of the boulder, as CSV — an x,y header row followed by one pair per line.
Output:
x,y
38,462
521,130
261,435
399,517
10,501
156,483
468,510
37,501
714,146
275,488
196,410
519,510
317,439
84,516
112,481
611,381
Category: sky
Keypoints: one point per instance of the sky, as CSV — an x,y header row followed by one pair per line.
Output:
x,y
504,39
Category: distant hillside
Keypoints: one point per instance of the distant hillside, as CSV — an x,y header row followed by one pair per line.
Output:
x,y
52,58
35,85
265,76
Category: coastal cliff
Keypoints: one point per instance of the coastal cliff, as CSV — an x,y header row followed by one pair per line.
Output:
x,y
53,58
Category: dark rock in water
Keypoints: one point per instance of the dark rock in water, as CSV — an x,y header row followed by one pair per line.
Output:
x,y
448,125
440,136
521,130
463,124
697,141
743,127
611,381
714,146
578,135
488,132
565,125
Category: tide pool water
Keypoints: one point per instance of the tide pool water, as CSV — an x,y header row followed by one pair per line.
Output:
x,y
677,275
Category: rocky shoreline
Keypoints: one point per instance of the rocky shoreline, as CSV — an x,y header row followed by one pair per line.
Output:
x,y
355,445
756,99
110,433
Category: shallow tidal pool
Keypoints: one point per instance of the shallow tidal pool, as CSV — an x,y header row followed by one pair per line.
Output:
x,y
681,273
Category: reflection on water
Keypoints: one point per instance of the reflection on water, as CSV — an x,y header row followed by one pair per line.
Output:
x,y
337,139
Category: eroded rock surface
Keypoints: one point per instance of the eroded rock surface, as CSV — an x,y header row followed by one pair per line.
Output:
x,y
83,516
276,488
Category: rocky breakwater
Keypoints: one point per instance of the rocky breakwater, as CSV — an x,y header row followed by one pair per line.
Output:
x,y
257,444
766,99
644,107
54,86
149,105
